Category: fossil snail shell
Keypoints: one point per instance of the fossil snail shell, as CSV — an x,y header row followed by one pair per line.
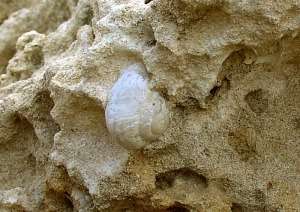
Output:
x,y
135,115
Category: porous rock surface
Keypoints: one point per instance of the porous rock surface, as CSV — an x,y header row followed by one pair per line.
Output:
x,y
229,71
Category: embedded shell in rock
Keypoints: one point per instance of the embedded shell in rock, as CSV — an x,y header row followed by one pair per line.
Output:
x,y
135,115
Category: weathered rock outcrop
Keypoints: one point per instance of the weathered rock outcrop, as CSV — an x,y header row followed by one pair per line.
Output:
x,y
228,71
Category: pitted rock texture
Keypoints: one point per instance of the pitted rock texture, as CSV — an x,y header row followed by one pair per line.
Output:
x,y
228,70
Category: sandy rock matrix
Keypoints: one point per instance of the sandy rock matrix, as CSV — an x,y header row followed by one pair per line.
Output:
x,y
227,72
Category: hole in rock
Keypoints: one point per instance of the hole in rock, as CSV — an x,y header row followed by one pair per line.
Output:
x,y
214,90
151,42
148,1
177,207
222,86
242,143
168,179
59,201
236,207
257,101
17,158
238,63
31,159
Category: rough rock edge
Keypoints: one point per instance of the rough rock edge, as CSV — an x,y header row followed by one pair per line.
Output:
x,y
236,59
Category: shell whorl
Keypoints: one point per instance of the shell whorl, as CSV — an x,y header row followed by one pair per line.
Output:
x,y
135,115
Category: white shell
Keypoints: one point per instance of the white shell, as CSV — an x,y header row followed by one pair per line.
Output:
x,y
135,115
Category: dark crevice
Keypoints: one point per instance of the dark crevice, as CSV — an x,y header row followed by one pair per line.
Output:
x,y
163,93
44,104
60,201
58,189
151,42
177,207
222,86
214,90
166,180
148,1
236,207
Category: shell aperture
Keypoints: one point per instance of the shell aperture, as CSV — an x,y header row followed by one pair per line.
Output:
x,y
135,115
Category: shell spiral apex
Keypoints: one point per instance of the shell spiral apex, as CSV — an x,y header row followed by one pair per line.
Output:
x,y
135,115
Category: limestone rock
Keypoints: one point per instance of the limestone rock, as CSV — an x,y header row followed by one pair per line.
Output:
x,y
228,71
